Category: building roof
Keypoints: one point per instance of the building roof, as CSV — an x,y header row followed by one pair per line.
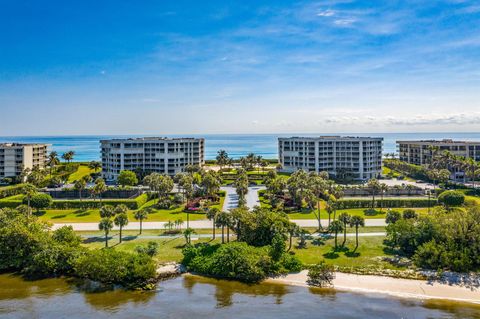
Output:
x,y
332,137
444,141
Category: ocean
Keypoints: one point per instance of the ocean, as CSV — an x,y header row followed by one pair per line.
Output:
x,y
87,148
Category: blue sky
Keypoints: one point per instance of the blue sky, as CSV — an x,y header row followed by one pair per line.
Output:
x,y
179,67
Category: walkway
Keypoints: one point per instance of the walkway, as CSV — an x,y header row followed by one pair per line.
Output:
x,y
231,197
200,224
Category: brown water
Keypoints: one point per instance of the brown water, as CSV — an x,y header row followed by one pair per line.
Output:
x,y
196,297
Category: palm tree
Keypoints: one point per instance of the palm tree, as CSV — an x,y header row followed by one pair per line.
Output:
x,y
121,209
80,185
99,188
29,190
107,211
142,214
105,225
68,156
212,215
52,161
95,166
344,218
293,230
121,220
336,227
374,187
188,235
222,158
223,220
318,185
383,189
357,221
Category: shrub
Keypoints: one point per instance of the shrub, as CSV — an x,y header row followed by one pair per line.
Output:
x,y
392,217
451,198
11,190
321,275
40,201
390,202
409,214
237,260
116,267
151,249
127,178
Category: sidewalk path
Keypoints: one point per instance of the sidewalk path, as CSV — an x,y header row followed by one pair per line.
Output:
x,y
201,224
231,197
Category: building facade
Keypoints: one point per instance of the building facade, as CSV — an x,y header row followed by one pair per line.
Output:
x,y
14,158
150,154
357,158
421,152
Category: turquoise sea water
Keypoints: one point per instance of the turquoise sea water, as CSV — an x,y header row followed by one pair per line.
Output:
x,y
87,148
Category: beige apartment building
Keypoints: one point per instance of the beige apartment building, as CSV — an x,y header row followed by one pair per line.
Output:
x,y
421,152
14,158
150,154
357,158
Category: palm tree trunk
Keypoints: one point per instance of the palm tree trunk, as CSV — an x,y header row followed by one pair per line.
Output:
x,y
120,234
336,234
141,222
228,234
188,219
344,234
290,242
319,217
356,239
106,240
223,234
213,228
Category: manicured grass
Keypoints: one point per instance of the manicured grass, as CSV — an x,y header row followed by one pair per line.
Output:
x,y
93,215
306,213
169,249
82,171
369,253
15,197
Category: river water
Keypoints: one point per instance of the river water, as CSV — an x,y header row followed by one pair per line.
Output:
x,y
197,297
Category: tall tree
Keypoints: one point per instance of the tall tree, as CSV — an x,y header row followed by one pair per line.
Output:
x,y
121,220
336,227
95,166
374,187
357,221
344,218
105,225
212,214
223,220
141,215
68,156
52,161
222,158
29,191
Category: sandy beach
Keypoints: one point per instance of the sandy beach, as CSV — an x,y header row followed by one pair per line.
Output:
x,y
407,288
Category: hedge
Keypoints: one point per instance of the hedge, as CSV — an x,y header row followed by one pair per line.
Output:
x,y
391,203
11,190
86,203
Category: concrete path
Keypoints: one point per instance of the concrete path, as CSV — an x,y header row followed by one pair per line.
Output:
x,y
231,197
200,224
219,235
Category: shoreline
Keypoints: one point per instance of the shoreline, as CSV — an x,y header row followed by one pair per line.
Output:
x,y
397,287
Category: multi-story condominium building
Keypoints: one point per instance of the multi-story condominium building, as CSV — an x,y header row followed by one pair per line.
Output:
x,y
421,152
14,158
150,154
358,158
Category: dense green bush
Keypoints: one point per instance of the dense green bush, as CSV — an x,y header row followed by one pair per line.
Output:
x,y
28,246
321,275
11,190
451,198
445,240
116,267
40,201
237,260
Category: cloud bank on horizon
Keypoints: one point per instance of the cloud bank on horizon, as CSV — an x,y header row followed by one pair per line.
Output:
x,y
179,67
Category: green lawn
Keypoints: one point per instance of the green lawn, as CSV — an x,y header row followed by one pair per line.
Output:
x,y
82,171
93,215
369,253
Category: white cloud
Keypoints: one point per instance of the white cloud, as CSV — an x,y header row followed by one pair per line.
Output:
x,y
326,13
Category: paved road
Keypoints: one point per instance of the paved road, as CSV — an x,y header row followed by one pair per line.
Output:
x,y
231,197
201,224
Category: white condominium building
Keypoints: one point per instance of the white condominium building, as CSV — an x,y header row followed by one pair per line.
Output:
x,y
14,158
150,154
358,158
421,152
